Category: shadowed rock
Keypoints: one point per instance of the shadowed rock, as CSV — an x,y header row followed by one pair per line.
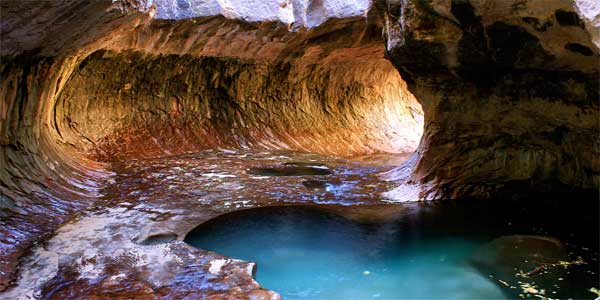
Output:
x,y
289,171
314,184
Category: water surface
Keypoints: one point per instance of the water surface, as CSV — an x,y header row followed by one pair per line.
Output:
x,y
305,253
308,253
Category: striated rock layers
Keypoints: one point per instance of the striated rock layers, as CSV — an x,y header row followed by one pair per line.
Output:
x,y
131,104
85,84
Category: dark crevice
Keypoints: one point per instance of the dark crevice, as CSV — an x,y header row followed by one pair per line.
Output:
x,y
568,18
579,48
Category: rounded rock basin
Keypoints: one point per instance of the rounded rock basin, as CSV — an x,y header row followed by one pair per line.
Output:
x,y
307,253
292,169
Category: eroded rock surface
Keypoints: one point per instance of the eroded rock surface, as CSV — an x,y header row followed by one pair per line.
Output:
x,y
129,244
509,89
133,105
73,74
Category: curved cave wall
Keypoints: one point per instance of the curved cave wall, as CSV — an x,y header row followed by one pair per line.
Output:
x,y
104,84
41,182
131,104
511,104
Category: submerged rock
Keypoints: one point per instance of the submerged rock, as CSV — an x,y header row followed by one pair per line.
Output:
x,y
290,171
532,263
315,184
525,252
304,164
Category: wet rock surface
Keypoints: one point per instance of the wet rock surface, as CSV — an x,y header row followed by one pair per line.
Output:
x,y
128,245
314,184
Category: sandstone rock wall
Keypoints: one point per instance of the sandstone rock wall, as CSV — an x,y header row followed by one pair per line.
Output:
x,y
41,182
510,93
132,105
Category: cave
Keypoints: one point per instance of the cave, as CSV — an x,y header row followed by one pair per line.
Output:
x,y
166,149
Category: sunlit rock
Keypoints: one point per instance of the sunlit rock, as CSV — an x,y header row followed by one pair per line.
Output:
x,y
296,13
589,11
